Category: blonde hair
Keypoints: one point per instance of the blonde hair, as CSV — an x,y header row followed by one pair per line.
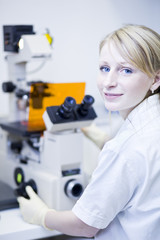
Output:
x,y
139,45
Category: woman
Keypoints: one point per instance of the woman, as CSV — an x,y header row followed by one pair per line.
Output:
x,y
122,201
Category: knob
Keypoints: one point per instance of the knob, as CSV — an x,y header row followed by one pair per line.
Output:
x,y
18,175
21,190
8,87
73,189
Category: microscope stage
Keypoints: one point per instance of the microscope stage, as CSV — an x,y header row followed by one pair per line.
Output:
x,y
7,197
23,128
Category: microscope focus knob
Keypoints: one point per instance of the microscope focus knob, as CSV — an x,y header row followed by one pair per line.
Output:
x,y
73,189
8,87
20,191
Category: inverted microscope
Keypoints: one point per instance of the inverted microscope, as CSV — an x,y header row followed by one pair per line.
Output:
x,y
47,156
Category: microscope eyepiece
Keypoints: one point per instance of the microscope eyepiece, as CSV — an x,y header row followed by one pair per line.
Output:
x,y
86,104
67,107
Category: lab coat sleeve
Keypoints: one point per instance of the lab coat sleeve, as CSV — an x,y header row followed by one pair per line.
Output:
x,y
110,191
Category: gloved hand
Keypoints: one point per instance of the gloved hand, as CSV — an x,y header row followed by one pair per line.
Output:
x,y
34,209
96,135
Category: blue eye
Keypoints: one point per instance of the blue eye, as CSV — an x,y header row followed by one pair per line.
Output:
x,y
104,69
127,71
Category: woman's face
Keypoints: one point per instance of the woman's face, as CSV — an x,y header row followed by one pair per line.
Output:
x,y
121,85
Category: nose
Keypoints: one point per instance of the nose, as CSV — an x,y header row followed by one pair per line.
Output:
x,y
110,80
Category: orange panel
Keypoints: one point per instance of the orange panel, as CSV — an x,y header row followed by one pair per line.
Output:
x,y
43,95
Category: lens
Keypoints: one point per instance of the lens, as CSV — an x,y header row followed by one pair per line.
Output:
x,y
73,189
77,190
67,107
69,102
87,101
86,104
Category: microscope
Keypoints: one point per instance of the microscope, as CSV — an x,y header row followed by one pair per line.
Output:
x,y
49,156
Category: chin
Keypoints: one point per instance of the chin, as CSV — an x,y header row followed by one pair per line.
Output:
x,y
111,108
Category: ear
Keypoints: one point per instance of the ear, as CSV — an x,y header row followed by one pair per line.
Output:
x,y
156,83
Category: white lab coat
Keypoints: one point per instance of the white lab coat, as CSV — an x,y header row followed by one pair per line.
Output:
x,y
123,197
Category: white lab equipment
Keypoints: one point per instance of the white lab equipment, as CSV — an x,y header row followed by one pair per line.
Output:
x,y
50,159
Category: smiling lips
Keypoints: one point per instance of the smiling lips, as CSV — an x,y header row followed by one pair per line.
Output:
x,y
110,96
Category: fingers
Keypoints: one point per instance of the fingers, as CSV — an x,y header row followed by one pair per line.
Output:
x,y
22,201
30,192
32,195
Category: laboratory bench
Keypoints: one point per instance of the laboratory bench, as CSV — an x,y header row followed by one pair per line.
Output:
x,y
12,226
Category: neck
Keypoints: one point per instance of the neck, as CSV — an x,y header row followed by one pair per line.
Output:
x,y
124,113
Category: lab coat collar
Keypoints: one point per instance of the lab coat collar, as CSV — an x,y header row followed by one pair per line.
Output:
x,y
144,113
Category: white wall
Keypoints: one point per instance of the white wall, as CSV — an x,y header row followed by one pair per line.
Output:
x,y
77,27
